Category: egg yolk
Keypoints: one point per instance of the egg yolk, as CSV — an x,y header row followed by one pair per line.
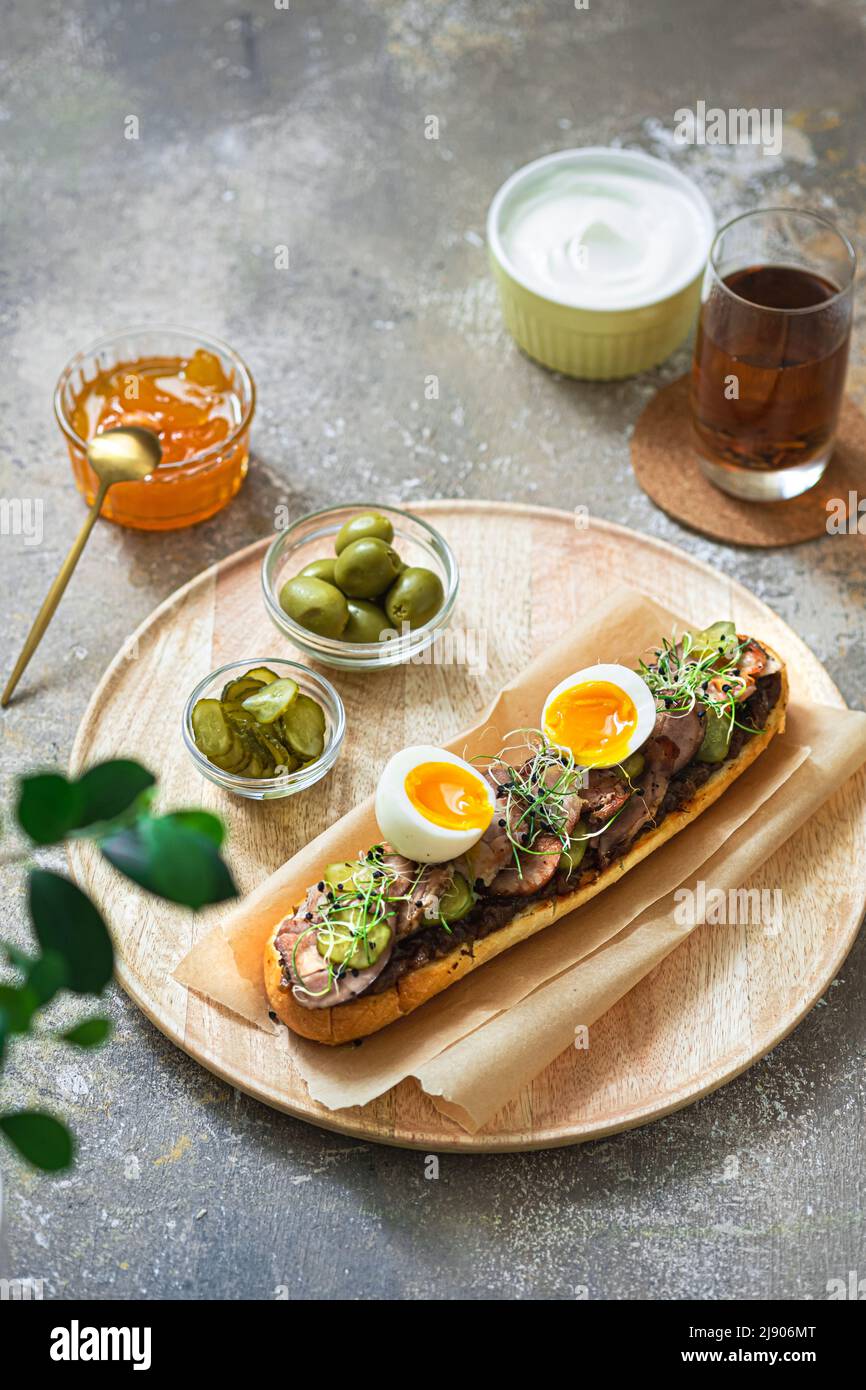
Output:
x,y
449,796
595,720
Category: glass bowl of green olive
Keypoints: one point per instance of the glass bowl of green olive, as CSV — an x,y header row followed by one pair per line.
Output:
x,y
264,728
360,586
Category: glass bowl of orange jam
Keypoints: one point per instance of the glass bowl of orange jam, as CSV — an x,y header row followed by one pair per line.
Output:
x,y
197,396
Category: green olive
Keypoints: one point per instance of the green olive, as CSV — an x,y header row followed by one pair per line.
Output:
x,y
414,598
317,606
366,622
364,524
320,569
366,568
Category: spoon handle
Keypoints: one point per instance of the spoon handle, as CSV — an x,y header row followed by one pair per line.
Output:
x,y
53,597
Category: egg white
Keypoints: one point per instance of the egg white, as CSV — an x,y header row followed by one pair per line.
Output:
x,y
403,825
632,685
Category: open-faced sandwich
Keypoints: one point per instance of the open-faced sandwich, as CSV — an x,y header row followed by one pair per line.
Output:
x,y
476,857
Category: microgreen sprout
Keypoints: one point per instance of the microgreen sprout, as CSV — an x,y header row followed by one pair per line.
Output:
x,y
685,674
535,782
350,916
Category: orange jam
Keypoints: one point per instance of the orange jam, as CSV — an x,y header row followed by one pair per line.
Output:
x,y
193,407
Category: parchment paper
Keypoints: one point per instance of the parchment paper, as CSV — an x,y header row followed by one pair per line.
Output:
x,y
478,1043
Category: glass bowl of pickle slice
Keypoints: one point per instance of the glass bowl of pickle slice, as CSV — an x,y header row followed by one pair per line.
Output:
x,y
264,728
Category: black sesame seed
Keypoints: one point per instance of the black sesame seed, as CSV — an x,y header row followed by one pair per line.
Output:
x,y
502,824
321,887
272,1016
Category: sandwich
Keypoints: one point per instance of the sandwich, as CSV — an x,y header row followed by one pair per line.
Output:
x,y
475,857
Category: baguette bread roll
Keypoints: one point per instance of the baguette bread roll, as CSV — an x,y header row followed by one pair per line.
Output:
x,y
368,1013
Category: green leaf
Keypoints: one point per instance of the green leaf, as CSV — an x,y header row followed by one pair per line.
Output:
x,y
111,788
17,1005
202,821
42,1140
46,975
67,924
51,807
19,959
89,1033
170,858
48,807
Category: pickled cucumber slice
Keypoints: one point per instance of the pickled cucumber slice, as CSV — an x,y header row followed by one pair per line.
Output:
x,y
346,940
232,761
238,690
239,718
720,638
457,901
268,703
243,731
348,877
210,729
303,726
633,765
570,858
276,750
717,736
255,766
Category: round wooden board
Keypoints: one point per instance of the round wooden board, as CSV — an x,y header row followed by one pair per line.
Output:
x,y
716,1005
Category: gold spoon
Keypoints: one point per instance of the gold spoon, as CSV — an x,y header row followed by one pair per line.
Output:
x,y
124,455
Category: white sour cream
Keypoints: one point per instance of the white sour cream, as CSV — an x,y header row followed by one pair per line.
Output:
x,y
608,232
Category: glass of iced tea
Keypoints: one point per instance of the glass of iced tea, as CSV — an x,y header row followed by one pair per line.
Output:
x,y
771,352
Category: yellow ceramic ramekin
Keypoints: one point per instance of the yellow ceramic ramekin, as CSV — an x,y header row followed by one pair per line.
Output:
x,y
595,343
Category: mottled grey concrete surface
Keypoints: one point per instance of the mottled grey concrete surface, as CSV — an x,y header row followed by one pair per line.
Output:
x,y
261,127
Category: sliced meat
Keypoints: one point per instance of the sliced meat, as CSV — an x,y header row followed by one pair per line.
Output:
x,y
403,872
536,868
307,969
742,687
753,666
606,792
421,907
639,811
494,850
674,741
755,662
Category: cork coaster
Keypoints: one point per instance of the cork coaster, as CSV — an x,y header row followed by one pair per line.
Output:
x,y
665,463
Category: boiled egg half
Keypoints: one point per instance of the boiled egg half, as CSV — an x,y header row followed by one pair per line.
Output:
x,y
431,805
600,714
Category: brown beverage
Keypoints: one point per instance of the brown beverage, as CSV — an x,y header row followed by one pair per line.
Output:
x,y
766,386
